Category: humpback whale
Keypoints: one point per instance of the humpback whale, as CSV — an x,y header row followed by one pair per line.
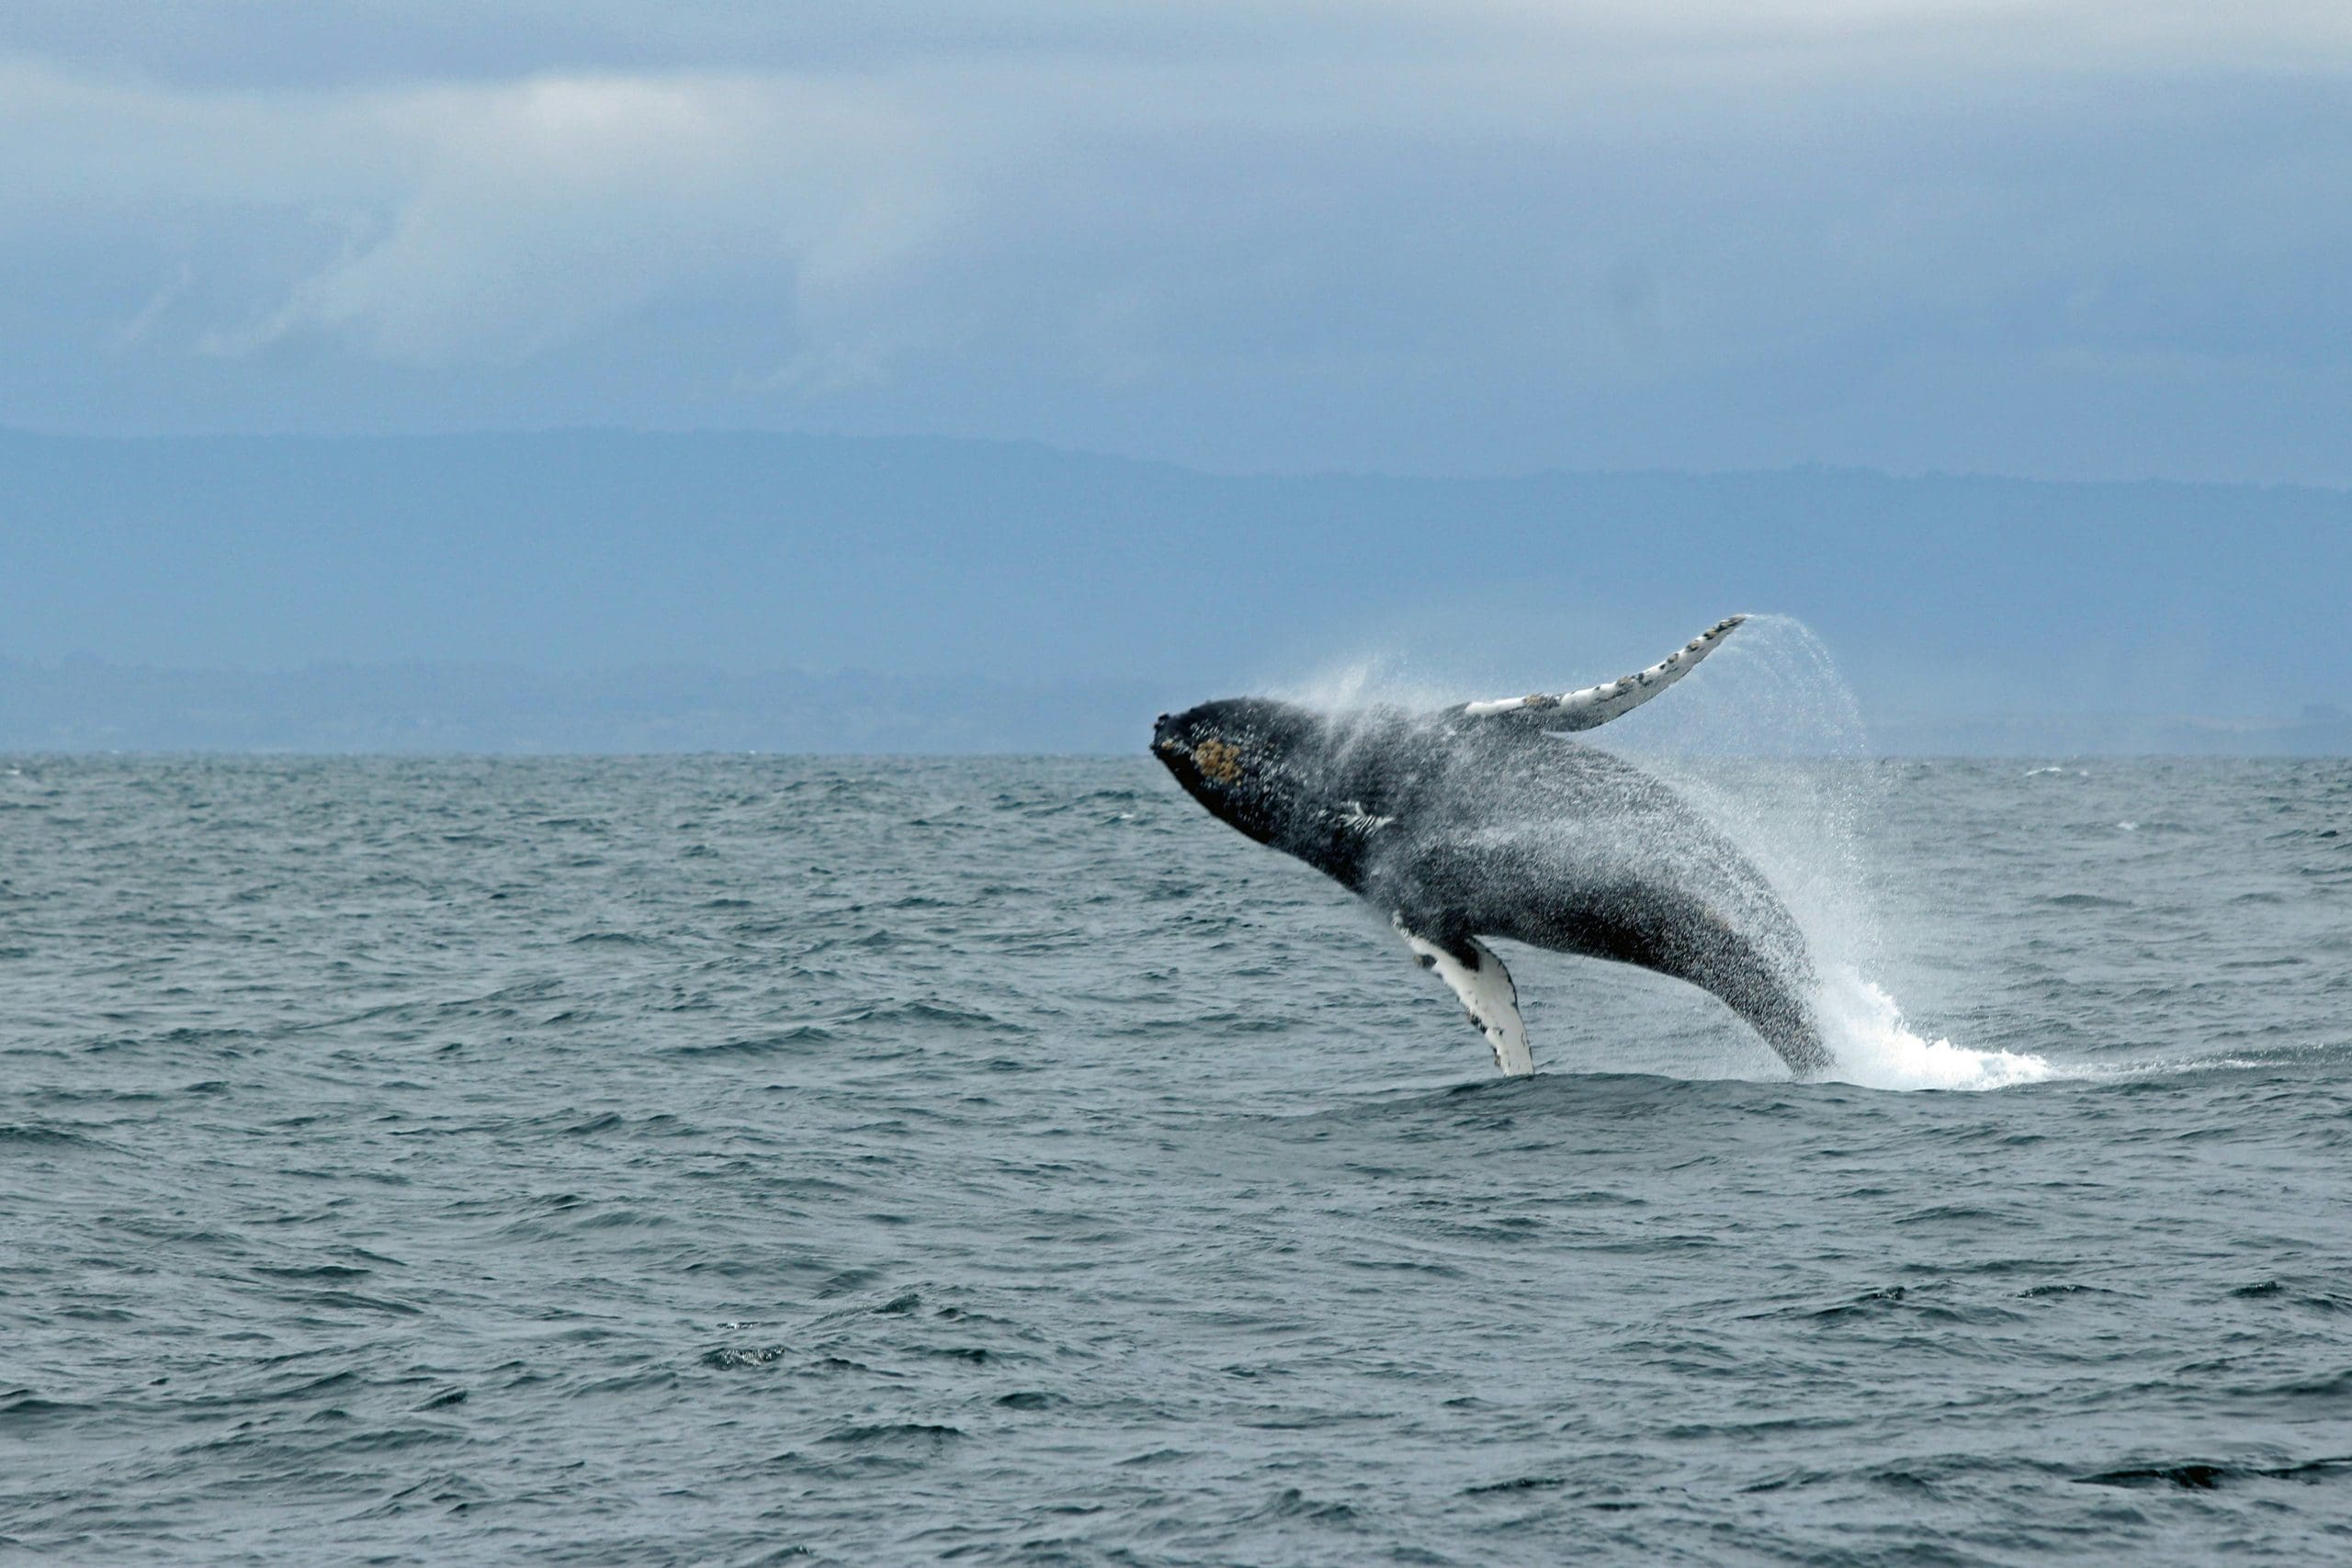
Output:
x,y
1487,819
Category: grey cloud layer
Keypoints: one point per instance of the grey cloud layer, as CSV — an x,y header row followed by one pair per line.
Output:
x,y
2051,240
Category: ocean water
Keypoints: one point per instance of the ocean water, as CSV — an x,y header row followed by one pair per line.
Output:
x,y
744,1160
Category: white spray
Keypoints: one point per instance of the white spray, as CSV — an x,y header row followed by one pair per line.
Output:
x,y
1796,803
1767,742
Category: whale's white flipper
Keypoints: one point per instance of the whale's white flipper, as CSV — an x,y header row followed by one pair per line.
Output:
x,y
1598,704
1487,994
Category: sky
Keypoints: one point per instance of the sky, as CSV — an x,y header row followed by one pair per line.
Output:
x,y
2065,239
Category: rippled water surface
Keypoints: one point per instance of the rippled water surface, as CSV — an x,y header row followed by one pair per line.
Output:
x,y
749,1160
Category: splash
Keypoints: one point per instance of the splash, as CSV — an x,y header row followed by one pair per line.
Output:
x,y
1769,745
1796,801
1873,1047
1371,681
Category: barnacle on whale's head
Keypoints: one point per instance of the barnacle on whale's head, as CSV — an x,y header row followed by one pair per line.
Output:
x,y
1219,761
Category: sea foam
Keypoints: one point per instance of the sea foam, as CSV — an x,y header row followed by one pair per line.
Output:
x,y
1872,1046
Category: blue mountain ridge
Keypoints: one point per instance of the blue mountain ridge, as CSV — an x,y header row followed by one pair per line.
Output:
x,y
603,590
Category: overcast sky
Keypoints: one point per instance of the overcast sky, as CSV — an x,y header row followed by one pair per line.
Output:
x,y
2062,238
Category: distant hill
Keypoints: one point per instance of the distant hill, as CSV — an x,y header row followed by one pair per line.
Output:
x,y
84,706
480,592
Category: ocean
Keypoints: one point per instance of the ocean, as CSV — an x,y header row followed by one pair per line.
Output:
x,y
767,1159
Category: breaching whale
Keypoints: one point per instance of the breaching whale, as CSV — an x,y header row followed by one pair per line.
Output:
x,y
1485,819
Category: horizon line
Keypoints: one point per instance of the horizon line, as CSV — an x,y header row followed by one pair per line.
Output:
x,y
1149,461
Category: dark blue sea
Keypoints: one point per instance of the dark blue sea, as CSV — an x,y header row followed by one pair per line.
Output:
x,y
764,1160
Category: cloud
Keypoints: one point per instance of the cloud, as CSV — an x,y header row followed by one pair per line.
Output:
x,y
1490,232
541,210
486,222
340,43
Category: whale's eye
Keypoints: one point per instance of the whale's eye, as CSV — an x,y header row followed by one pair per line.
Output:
x,y
1217,760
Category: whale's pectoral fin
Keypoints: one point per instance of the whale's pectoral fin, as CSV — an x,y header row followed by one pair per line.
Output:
x,y
1482,983
1598,704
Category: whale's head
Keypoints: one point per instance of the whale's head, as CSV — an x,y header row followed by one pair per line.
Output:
x,y
1242,757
